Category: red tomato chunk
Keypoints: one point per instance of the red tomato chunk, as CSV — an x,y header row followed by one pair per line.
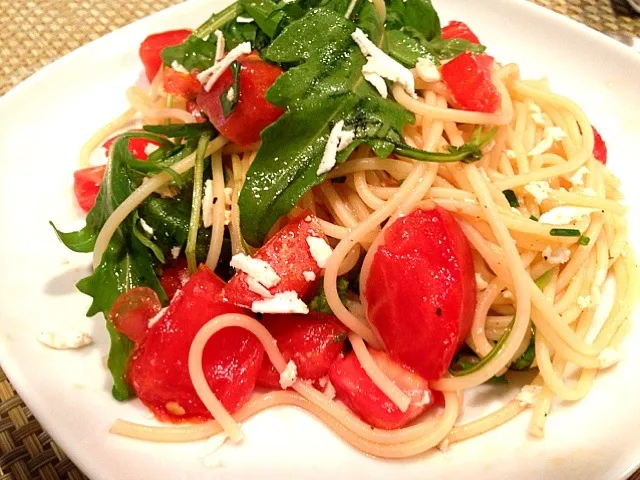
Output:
x,y
459,30
468,77
151,48
420,292
355,388
312,341
252,112
158,372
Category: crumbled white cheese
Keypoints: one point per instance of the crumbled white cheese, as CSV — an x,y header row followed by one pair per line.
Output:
x,y
175,252
551,135
577,178
528,395
589,192
516,211
241,19
338,140
256,287
220,45
288,375
309,276
230,94
556,256
65,339
609,357
283,302
538,190
178,67
256,268
565,215
211,447
427,70
584,302
153,320
330,391
425,400
150,148
227,217
443,446
511,155
145,226
320,250
507,294
207,204
481,283
209,76
380,65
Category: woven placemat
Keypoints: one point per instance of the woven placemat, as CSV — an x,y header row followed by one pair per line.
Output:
x,y
32,35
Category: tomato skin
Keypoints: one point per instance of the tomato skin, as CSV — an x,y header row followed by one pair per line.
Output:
x,y
459,30
137,146
355,389
151,48
468,77
86,185
599,147
420,290
158,372
132,310
312,341
183,84
289,255
252,112
174,277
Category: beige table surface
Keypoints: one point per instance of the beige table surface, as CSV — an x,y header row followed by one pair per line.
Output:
x,y
33,34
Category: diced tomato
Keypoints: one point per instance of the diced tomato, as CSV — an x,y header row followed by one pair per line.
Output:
x,y
312,341
599,147
355,388
420,290
132,310
137,146
289,255
468,77
459,30
252,113
158,372
151,48
183,84
174,277
193,108
86,185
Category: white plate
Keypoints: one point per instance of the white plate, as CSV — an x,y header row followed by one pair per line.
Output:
x,y
44,123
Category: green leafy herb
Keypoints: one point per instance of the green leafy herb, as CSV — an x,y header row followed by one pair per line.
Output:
x,y
534,218
583,240
229,96
543,280
181,130
196,203
458,370
564,232
323,85
511,198
525,361
267,15
319,302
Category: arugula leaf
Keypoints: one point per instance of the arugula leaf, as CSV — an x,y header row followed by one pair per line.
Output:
x,y
416,14
266,14
324,85
319,302
181,130
525,361
228,104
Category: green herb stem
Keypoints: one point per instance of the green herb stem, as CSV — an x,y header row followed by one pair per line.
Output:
x,y
564,232
218,20
511,198
483,361
196,205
